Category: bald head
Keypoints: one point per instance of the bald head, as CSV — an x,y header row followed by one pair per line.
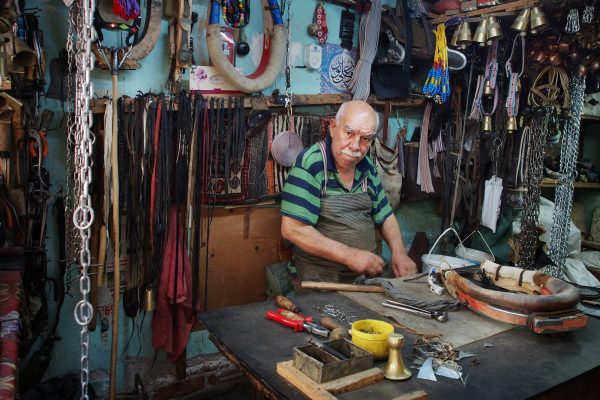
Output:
x,y
353,107
352,132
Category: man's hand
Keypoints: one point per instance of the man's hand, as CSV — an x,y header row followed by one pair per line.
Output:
x,y
364,262
402,265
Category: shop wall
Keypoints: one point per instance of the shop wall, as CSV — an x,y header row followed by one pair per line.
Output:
x,y
135,351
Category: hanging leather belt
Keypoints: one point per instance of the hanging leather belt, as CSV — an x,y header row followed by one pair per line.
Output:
x,y
543,304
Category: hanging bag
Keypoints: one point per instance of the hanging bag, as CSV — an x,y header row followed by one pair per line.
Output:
x,y
386,162
490,209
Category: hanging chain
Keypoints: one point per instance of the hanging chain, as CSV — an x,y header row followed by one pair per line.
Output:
x,y
572,21
535,157
71,233
83,140
563,200
588,13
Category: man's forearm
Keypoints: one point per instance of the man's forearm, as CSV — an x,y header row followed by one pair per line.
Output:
x,y
313,242
390,230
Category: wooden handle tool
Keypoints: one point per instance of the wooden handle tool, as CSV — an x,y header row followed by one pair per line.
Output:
x,y
286,303
343,287
337,330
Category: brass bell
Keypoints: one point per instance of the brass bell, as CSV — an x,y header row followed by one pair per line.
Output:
x,y
395,369
488,90
465,38
481,33
494,31
149,301
538,20
486,125
313,29
522,22
511,124
454,41
22,56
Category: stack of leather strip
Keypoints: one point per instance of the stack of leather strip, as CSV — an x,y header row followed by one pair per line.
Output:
x,y
540,302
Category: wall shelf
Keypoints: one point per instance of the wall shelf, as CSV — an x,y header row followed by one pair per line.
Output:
x,y
496,10
299,100
552,183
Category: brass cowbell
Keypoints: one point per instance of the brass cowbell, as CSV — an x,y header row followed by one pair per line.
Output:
x,y
486,125
454,41
488,90
511,124
395,369
464,38
149,301
481,33
522,22
494,31
538,20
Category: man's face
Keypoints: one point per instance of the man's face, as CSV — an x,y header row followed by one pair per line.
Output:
x,y
351,137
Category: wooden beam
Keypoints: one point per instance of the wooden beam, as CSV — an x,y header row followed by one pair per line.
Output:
x,y
300,100
512,6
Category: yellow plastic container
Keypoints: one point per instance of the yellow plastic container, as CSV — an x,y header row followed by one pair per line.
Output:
x,y
372,335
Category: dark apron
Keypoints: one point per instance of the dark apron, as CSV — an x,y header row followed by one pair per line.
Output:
x,y
346,218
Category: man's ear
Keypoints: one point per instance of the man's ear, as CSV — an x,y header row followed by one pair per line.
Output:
x,y
332,124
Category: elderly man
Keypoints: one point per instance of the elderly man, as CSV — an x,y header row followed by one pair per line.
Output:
x,y
333,201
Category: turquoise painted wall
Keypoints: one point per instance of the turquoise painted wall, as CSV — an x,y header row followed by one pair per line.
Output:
x,y
151,77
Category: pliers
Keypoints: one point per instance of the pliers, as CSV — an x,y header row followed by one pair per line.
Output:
x,y
297,321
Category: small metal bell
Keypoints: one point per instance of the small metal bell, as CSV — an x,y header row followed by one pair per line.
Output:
x,y
538,20
486,124
511,124
494,31
465,38
149,301
481,33
488,90
522,22
454,41
395,369
313,29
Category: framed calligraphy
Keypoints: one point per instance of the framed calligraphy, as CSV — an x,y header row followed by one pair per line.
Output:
x,y
337,68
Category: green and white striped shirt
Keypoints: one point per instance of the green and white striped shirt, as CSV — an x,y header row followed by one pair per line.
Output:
x,y
301,197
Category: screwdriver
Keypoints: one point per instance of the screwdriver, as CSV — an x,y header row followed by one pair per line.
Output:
x,y
286,303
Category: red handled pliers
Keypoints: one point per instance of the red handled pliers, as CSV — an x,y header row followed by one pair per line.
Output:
x,y
297,321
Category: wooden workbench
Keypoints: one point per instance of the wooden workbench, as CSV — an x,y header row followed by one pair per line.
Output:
x,y
514,364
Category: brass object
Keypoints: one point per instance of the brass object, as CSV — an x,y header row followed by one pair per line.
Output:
x,y
313,29
488,91
3,64
511,124
481,33
565,47
518,86
582,70
395,369
494,31
521,24
23,56
540,57
594,66
486,124
555,59
149,300
465,38
538,20
454,41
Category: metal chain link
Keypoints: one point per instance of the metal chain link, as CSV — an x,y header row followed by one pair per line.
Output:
x,y
563,199
535,158
82,141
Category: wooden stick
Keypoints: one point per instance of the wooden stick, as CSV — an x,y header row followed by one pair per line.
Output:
x,y
342,287
114,160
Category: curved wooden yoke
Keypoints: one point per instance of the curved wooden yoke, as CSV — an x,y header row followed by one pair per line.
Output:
x,y
273,50
144,46
542,303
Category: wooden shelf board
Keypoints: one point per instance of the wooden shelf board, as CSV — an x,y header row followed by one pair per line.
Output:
x,y
585,117
504,7
299,100
551,183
